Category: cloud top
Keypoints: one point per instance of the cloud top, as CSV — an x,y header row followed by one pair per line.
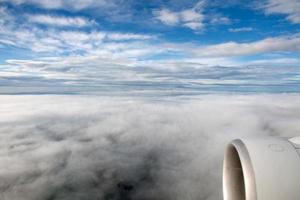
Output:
x,y
132,148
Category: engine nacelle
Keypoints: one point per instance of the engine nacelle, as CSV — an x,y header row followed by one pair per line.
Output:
x,y
266,168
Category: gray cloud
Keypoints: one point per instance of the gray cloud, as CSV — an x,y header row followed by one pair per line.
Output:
x,y
85,74
88,147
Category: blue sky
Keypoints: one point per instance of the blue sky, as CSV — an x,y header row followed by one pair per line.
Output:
x,y
154,46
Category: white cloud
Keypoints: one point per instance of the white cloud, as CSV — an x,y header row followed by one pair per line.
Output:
x,y
60,20
291,8
276,44
219,19
242,29
132,45
128,36
190,18
87,147
6,18
54,40
194,25
92,55
191,15
167,17
84,55
193,18
63,4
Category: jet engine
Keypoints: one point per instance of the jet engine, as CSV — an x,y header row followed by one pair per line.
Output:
x,y
263,168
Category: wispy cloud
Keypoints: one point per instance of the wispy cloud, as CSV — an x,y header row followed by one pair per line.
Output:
x,y
191,18
61,41
219,19
242,29
275,44
167,17
60,20
63,4
291,8
67,54
128,36
128,60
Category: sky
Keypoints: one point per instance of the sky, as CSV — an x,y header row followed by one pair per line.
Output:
x,y
151,47
131,100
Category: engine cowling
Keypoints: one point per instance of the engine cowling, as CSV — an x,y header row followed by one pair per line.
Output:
x,y
266,168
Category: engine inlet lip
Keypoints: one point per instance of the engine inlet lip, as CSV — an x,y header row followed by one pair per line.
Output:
x,y
247,169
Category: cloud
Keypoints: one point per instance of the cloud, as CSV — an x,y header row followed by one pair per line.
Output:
x,y
219,19
63,4
129,148
107,73
191,18
58,41
167,17
242,29
291,8
134,62
276,61
60,20
104,10
128,36
275,44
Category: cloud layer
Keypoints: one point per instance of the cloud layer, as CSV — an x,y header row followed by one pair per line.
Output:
x,y
85,147
76,46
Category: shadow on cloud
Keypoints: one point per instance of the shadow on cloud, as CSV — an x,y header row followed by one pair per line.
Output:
x,y
88,147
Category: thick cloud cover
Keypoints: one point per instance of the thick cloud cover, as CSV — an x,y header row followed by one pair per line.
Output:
x,y
88,147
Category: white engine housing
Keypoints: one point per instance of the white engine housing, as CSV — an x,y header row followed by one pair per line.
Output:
x,y
266,168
